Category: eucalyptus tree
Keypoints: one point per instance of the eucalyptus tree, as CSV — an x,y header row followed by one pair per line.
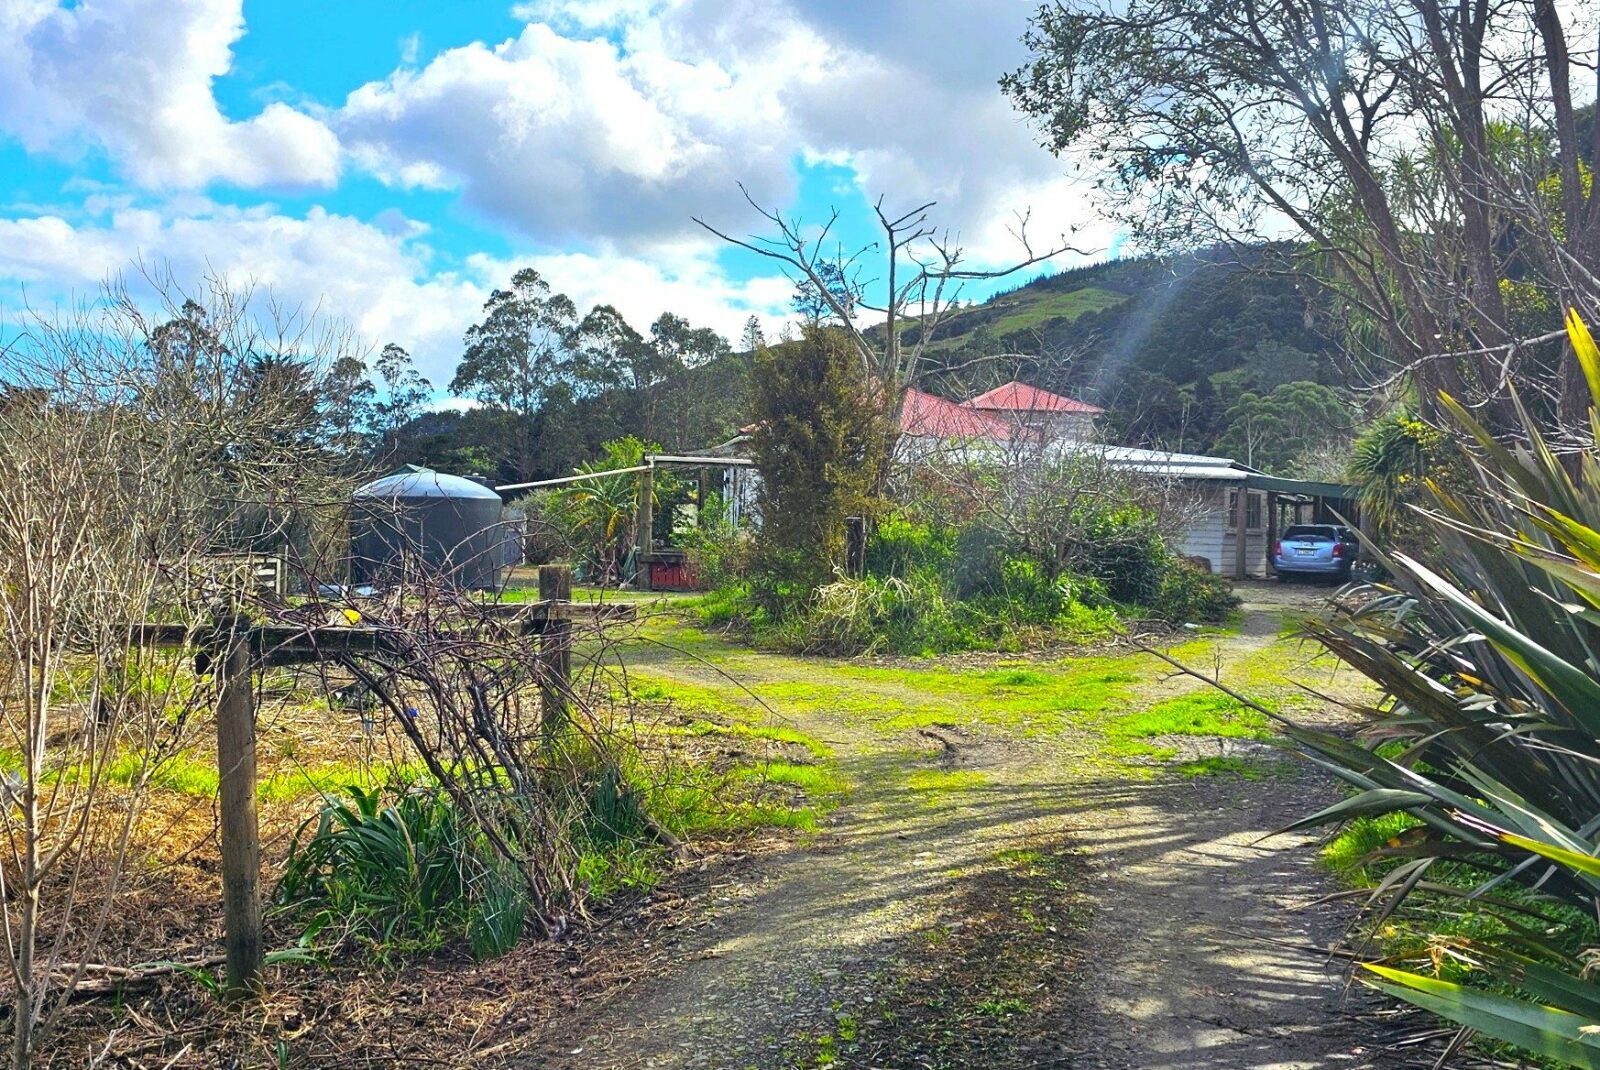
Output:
x,y
405,392
522,356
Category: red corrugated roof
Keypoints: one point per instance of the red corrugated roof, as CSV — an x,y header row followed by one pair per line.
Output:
x,y
1020,397
933,417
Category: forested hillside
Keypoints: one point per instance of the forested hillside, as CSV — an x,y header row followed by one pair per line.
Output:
x,y
1170,348
1211,351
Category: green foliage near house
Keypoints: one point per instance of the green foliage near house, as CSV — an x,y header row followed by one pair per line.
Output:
x,y
822,445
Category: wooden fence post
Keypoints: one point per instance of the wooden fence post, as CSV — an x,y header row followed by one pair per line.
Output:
x,y
644,532
555,650
241,830
855,546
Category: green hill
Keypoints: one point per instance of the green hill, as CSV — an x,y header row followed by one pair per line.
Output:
x,y
1027,309
1166,346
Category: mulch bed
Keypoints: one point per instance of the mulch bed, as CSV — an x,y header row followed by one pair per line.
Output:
x,y
442,1009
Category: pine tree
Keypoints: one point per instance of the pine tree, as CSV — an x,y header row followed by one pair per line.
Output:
x,y
753,337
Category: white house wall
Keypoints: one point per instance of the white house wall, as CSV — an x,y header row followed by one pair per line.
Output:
x,y
1208,537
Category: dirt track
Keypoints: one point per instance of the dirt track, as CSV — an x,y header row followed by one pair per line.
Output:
x,y
1046,913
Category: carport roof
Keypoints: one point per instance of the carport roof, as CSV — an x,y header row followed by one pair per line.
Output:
x,y
1312,488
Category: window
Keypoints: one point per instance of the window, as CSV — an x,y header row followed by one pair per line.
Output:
x,y
1254,507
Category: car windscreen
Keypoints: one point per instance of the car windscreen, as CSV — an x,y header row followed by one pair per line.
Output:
x,y
1309,531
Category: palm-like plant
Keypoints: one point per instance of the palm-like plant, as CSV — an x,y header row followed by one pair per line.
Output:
x,y
1490,735
603,508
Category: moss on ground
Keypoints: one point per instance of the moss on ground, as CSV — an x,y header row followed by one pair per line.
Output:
x,y
937,782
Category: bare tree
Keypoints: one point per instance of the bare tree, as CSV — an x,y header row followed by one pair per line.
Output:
x,y
923,273
132,447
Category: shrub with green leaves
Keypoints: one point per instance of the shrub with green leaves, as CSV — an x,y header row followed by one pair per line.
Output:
x,y
1190,593
386,867
397,869
718,550
1489,739
888,616
1122,547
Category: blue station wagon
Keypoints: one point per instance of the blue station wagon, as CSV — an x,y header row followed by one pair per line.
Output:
x,y
1314,550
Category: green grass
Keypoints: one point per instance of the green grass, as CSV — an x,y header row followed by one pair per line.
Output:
x,y
816,781
938,781
1002,1008
1222,765
1039,699
771,733
1032,308
187,775
1204,713
1018,857
700,801
629,865
1358,839
180,773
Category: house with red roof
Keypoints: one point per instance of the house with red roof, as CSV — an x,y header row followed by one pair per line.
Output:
x,y
1016,421
1049,416
1007,416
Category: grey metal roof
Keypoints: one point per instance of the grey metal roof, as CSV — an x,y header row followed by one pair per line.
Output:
x,y
1163,462
1315,488
1200,466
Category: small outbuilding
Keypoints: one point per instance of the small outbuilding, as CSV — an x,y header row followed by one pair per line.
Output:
x,y
1230,497
423,524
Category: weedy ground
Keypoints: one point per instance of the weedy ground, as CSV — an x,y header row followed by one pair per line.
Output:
x,y
1040,860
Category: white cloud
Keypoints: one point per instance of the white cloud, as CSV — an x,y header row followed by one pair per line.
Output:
x,y
617,122
578,138
133,78
378,282
377,276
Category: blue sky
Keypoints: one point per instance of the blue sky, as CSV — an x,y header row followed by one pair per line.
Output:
x,y
391,162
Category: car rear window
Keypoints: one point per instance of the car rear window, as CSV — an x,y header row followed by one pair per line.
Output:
x,y
1310,531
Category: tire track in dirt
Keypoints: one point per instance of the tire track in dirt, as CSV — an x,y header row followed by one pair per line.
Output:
x,y
1169,935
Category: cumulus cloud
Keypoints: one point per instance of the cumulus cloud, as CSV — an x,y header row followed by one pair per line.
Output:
x,y
577,138
378,276
377,281
618,122
133,78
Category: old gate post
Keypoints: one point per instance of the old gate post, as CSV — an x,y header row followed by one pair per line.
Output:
x,y
241,829
555,648
855,546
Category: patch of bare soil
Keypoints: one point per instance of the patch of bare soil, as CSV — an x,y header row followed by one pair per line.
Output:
x,y
1211,954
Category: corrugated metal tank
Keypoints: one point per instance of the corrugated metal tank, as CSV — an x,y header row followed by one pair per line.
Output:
x,y
426,523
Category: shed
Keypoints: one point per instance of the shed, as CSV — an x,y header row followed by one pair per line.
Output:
x,y
1230,495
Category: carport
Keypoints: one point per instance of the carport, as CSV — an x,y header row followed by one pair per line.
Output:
x,y
1297,501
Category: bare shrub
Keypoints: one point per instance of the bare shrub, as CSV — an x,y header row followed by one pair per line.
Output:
x,y
132,447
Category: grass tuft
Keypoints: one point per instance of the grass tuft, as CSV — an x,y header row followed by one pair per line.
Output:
x,y
1223,765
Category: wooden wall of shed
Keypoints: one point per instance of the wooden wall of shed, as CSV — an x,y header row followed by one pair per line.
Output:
x,y
1208,535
